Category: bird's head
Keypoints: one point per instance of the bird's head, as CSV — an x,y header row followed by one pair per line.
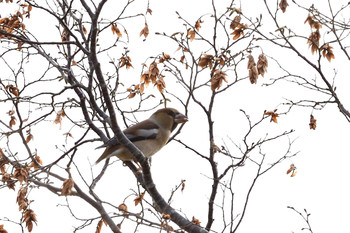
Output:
x,y
169,118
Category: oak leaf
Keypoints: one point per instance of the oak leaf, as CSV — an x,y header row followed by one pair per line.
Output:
x,y
239,31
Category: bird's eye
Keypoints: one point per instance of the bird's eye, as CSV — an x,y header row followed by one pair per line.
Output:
x,y
171,113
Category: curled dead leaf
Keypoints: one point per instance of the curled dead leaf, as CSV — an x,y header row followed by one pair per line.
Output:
x,y
312,123
273,115
67,187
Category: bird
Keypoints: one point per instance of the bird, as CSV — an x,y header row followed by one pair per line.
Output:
x,y
149,135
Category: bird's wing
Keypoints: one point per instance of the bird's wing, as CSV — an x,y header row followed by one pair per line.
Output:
x,y
141,131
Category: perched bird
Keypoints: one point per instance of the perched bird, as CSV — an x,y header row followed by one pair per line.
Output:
x,y
149,135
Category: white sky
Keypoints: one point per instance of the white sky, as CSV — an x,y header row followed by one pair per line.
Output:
x,y
320,186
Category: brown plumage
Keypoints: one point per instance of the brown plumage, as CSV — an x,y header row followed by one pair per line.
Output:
x,y
149,135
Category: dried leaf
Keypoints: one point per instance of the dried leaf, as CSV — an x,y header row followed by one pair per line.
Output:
x,y
145,31
312,123
292,170
239,31
166,216
197,25
29,217
125,61
191,34
149,11
116,30
217,79
99,226
67,187
84,30
2,230
206,60
283,5
123,208
235,22
314,41
253,71
13,90
262,64
312,22
273,115
21,198
21,174
59,116
196,221
35,164
12,121
327,52
139,198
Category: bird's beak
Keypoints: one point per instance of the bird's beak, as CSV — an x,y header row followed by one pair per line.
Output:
x,y
180,118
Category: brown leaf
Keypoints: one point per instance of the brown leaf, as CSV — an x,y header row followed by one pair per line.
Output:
x,y
84,30
166,216
67,187
74,63
196,221
116,30
273,115
292,170
262,64
139,198
283,5
239,31
206,60
123,208
191,34
99,226
35,164
21,198
235,22
314,41
217,79
327,52
21,174
312,123
312,22
29,217
13,90
197,26
125,61
12,121
145,31
160,84
253,71
2,229
59,116
149,11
